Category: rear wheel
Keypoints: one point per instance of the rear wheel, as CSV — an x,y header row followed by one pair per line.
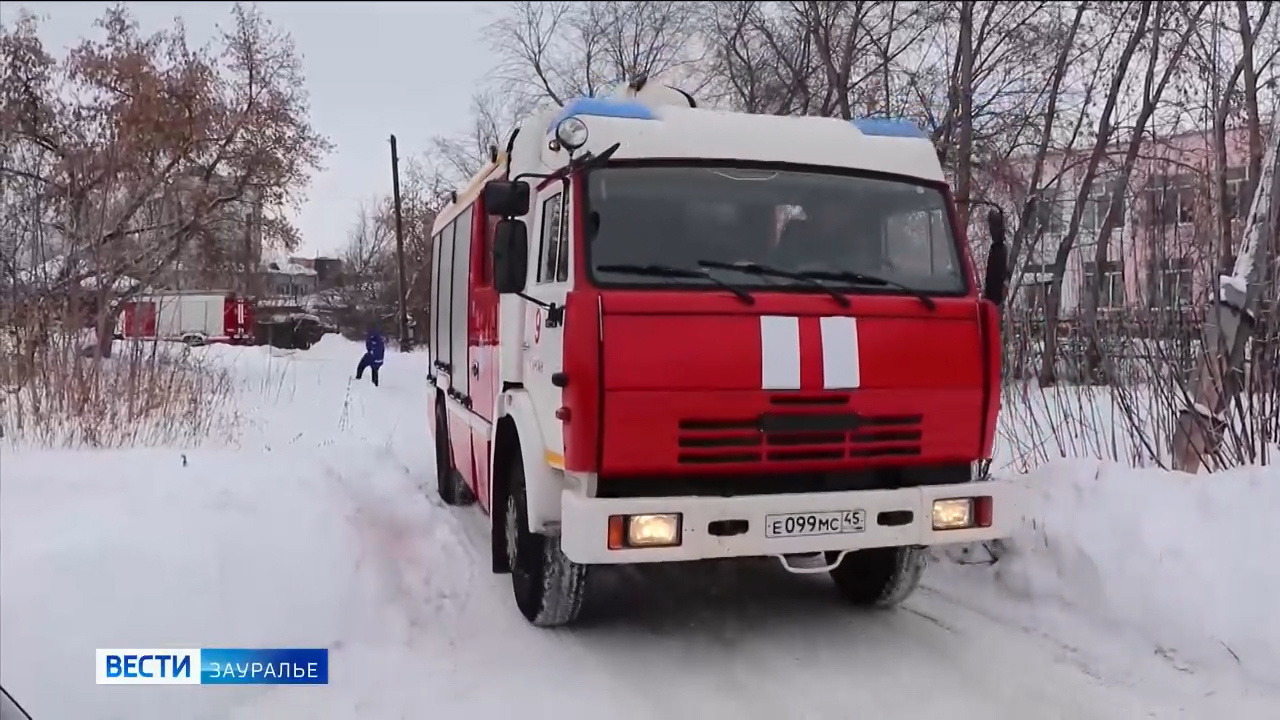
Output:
x,y
879,577
549,587
449,484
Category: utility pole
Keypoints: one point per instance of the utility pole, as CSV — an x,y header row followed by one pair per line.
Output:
x,y
403,321
1230,322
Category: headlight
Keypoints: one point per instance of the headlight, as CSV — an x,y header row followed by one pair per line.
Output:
x,y
642,531
963,513
954,514
572,133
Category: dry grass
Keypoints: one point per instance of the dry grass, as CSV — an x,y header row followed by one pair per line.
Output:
x,y
146,394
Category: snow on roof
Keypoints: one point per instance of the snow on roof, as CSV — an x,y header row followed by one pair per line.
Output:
x,y
660,127
289,268
122,283
45,272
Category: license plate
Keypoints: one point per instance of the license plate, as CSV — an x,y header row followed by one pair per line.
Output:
x,y
838,522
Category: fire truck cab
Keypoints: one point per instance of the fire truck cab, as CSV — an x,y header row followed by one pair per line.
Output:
x,y
665,333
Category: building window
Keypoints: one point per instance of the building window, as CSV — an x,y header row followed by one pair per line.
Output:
x,y
1043,269
1239,193
1035,297
1049,212
1100,202
1171,283
1171,200
1107,281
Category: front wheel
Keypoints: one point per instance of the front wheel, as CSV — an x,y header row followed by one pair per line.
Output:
x,y
549,587
879,577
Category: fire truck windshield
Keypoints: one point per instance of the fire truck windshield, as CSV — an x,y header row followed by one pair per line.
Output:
x,y
831,226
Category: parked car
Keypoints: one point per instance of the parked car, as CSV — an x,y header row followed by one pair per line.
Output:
x,y
295,331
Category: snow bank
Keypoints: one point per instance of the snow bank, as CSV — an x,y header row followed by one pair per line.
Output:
x,y
320,528
1182,561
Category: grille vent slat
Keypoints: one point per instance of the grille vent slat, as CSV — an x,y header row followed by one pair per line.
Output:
x,y
723,441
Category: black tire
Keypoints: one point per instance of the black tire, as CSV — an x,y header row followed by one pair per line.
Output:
x,y
449,483
549,588
879,577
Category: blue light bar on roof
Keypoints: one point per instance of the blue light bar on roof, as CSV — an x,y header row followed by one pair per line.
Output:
x,y
889,127
602,107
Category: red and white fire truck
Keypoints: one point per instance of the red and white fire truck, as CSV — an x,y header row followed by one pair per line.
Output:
x,y
665,333
196,317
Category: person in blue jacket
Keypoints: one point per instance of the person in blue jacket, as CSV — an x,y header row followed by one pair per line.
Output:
x,y
374,349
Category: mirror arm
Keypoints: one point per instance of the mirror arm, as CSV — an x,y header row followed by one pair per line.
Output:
x,y
535,301
555,313
587,160
557,175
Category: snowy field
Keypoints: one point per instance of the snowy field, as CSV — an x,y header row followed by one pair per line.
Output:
x,y
1127,594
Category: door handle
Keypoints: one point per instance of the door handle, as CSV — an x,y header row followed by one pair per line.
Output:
x,y
475,370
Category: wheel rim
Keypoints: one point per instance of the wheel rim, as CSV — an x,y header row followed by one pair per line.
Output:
x,y
513,535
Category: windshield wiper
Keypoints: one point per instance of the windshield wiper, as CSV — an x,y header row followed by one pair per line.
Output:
x,y
752,268
676,272
864,279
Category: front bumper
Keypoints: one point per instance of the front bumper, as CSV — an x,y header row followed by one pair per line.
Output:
x,y
584,522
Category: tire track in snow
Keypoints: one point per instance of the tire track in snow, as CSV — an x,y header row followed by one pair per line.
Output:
x,y
1130,676
410,550
728,640
747,639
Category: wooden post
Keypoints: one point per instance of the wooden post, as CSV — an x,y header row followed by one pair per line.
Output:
x,y
402,323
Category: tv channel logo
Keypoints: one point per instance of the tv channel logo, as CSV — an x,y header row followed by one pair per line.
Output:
x,y
213,666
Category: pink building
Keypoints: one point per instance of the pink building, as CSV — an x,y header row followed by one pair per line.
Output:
x,y
1168,248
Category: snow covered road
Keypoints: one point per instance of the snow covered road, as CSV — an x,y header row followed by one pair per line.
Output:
x,y
322,531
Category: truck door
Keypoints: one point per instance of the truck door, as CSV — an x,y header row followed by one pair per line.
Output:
x,y
544,334
441,337
459,373
482,341
435,311
459,304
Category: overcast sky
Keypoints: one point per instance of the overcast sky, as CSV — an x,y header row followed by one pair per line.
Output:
x,y
373,68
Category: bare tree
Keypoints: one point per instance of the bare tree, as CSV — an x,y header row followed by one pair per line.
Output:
x,y
1062,113
142,147
761,61
556,51
369,293
1160,68
455,158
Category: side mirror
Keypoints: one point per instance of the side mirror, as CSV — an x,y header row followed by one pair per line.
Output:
x,y
510,255
997,260
506,198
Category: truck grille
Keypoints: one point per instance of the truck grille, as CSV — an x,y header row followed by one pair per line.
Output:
x,y
710,442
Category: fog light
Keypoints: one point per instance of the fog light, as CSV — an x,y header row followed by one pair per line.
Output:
x,y
953,514
641,531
